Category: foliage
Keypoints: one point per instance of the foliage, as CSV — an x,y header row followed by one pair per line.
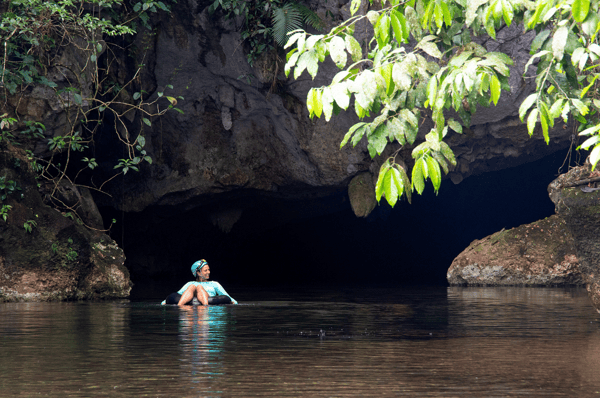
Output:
x,y
29,225
422,60
267,23
7,187
4,211
35,34
66,254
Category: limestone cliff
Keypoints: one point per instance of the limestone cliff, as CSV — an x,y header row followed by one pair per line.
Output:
x,y
45,255
576,196
247,128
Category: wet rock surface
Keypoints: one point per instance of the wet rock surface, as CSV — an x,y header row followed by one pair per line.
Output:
x,y
577,201
537,254
54,258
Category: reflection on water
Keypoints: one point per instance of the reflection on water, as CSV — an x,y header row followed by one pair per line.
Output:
x,y
454,342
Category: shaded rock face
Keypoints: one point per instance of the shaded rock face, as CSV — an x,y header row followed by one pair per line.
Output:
x,y
538,254
577,201
58,259
247,128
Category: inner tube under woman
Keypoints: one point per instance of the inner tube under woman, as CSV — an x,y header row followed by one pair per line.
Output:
x,y
207,293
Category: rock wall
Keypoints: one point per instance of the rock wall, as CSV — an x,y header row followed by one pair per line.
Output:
x,y
246,127
576,196
55,258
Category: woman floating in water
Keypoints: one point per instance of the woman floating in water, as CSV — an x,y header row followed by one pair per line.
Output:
x,y
206,292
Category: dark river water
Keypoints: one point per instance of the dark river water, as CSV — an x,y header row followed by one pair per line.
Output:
x,y
421,342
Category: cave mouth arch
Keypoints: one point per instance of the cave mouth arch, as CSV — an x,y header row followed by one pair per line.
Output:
x,y
318,241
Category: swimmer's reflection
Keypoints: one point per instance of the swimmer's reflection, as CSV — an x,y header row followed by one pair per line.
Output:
x,y
202,331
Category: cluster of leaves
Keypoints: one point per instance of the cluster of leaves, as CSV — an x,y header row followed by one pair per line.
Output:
x,y
267,23
7,187
422,59
4,211
34,33
67,254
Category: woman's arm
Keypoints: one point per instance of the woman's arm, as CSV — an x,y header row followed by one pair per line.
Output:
x,y
222,291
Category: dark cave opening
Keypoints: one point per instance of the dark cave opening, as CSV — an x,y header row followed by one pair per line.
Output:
x,y
320,242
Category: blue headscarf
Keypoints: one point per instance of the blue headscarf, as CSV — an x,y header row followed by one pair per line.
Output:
x,y
197,266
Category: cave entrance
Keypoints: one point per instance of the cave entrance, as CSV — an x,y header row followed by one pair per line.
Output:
x,y
319,241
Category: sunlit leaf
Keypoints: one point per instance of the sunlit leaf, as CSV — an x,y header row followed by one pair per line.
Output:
x,y
419,173
559,40
525,105
532,120
580,9
495,89
435,174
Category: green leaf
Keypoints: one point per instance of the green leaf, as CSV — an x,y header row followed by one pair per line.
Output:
x,y
590,24
581,107
507,12
350,133
380,186
401,77
433,169
588,131
544,121
327,101
365,87
471,13
495,89
382,30
590,141
389,187
525,105
354,6
378,140
454,125
293,38
532,120
386,73
396,131
559,40
337,51
447,152
438,14
539,40
432,90
313,103
556,108
580,9
400,27
595,156
341,95
405,182
418,180
353,47
307,58
136,96
410,117
430,49
147,121
77,99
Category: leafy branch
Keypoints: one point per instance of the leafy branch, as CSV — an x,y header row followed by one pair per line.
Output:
x,y
393,78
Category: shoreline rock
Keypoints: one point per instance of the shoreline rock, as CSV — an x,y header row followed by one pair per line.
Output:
x,y
538,254
578,202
